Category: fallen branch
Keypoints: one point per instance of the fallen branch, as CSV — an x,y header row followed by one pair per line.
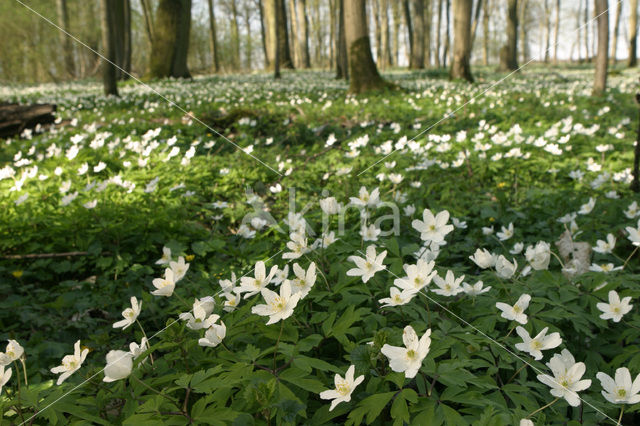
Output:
x,y
49,255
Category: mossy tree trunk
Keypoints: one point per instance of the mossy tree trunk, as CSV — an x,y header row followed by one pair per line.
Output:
x,y
460,67
342,61
170,44
363,73
602,56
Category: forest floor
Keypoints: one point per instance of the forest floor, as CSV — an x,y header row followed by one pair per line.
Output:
x,y
118,179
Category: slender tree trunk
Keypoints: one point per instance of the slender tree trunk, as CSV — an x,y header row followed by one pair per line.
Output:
x,y
362,69
263,34
579,32
342,63
303,22
65,41
235,35
395,9
602,60
476,19
509,52
547,31
375,6
460,67
586,29
447,39
179,67
616,31
277,18
384,59
108,42
283,37
438,33
249,42
148,20
295,41
408,22
332,33
485,33
417,44
213,37
428,16
633,33
556,34
522,26
122,35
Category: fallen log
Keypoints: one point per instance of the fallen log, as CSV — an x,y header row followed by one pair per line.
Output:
x,y
14,118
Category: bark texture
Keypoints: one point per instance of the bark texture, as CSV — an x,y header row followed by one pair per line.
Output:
x,y
509,52
171,39
363,72
602,56
633,33
108,44
460,67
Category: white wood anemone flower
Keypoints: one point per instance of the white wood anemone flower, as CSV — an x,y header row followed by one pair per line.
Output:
x,y
567,373
515,312
367,267
433,228
278,306
534,346
254,285
164,286
5,375
344,388
214,335
119,366
130,314
13,352
70,363
408,359
616,308
621,390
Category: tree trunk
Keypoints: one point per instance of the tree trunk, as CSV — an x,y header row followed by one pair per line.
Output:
x,y
385,59
15,118
616,31
586,29
509,52
428,29
342,59
485,33
295,42
460,67
438,34
476,19
378,31
303,34
522,26
263,34
281,42
362,69
277,18
332,33
249,42
602,60
579,32
148,20
213,37
547,31
122,35
108,44
408,22
556,34
395,11
417,45
235,35
633,33
447,38
65,40
171,39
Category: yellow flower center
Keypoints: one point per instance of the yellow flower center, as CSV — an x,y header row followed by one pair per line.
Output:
x,y
536,345
432,227
343,389
622,393
517,309
411,354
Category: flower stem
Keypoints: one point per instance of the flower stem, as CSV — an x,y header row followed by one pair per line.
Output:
x,y
557,257
24,370
620,418
509,333
516,373
145,336
630,256
542,408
